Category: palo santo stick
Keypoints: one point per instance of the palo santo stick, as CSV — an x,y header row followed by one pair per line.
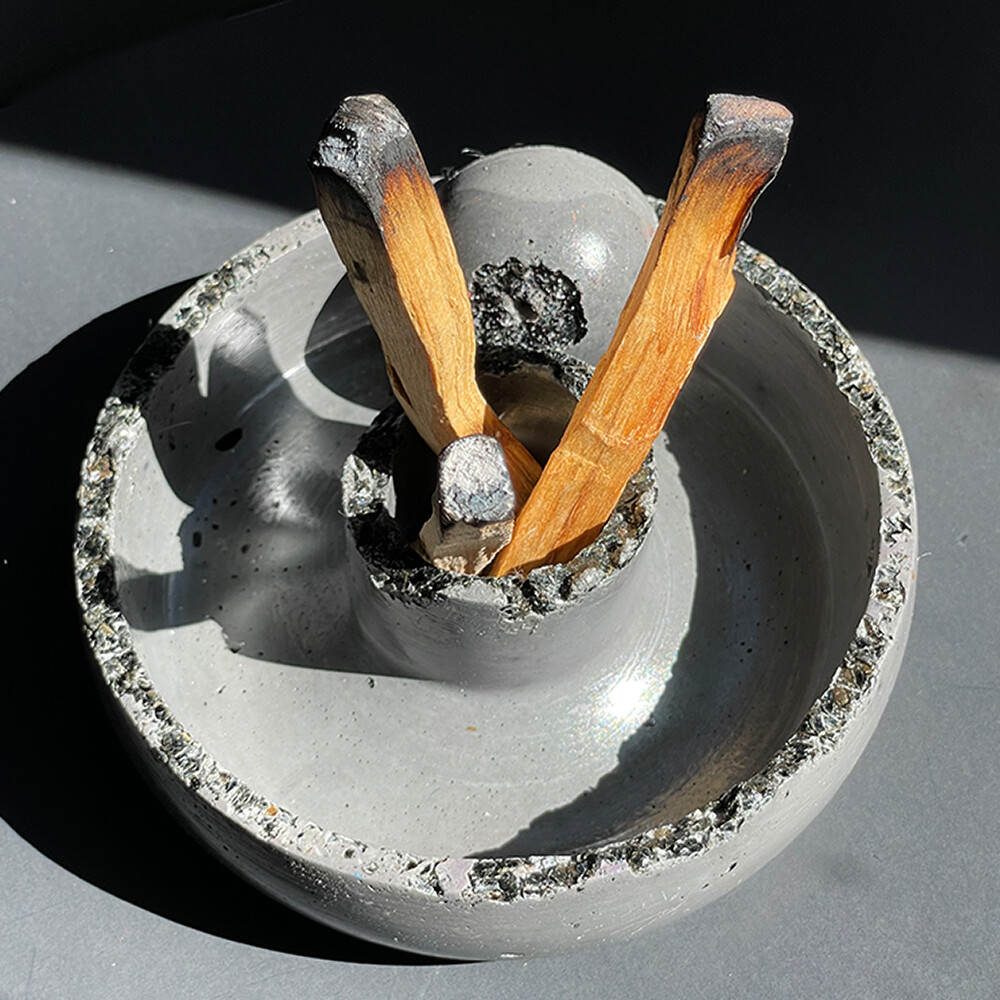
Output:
x,y
383,214
473,506
734,148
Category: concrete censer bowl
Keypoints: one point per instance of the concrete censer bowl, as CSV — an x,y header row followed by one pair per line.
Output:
x,y
498,783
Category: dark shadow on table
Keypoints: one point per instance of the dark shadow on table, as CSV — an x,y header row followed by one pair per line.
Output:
x,y
66,784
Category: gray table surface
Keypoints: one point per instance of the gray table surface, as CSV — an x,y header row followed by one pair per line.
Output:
x,y
893,891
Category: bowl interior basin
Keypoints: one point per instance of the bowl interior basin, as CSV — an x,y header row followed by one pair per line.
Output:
x,y
230,559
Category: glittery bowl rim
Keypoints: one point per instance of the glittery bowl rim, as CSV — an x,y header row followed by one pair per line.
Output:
x,y
823,730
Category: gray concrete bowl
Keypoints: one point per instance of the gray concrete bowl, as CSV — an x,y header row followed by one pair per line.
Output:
x,y
212,572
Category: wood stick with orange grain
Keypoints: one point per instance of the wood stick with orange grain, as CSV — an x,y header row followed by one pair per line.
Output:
x,y
383,214
734,148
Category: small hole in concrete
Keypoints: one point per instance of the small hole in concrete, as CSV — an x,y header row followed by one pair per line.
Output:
x,y
229,440
525,310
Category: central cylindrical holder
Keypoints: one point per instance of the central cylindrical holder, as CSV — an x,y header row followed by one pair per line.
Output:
x,y
422,621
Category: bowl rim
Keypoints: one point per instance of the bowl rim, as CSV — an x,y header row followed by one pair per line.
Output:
x,y
825,727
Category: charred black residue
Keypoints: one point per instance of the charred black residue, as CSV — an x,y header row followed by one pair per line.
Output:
x,y
384,540
340,133
376,446
530,304
150,362
377,534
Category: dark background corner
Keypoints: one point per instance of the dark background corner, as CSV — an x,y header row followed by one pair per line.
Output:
x,y
886,204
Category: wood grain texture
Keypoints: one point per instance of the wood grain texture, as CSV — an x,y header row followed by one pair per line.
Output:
x,y
383,214
733,149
